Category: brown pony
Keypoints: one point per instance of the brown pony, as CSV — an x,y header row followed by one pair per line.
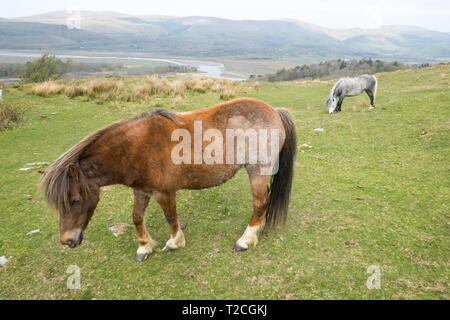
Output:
x,y
143,154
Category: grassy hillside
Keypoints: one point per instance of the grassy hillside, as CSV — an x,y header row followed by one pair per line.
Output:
x,y
373,189
41,36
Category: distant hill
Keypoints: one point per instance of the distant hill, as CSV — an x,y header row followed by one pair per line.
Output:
x,y
41,36
209,36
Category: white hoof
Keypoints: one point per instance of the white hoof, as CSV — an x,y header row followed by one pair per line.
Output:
x,y
249,238
147,248
143,251
175,242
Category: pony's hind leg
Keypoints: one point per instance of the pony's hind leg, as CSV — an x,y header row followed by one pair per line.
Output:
x,y
370,93
146,243
260,195
167,201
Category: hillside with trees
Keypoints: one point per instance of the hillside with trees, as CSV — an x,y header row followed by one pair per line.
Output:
x,y
334,69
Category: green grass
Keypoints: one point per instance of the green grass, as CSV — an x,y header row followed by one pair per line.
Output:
x,y
11,115
394,159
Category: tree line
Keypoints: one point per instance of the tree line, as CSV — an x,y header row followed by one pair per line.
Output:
x,y
333,69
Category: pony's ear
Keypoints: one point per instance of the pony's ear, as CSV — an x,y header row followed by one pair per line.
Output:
x,y
73,171
42,172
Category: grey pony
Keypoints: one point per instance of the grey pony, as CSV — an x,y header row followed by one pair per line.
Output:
x,y
349,87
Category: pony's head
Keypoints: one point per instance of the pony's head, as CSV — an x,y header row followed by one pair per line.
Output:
x,y
67,190
331,104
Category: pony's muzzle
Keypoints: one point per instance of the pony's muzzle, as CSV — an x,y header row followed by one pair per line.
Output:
x,y
73,239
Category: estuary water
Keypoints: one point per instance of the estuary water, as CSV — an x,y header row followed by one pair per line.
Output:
x,y
207,68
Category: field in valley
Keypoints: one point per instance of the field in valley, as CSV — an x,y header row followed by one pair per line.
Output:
x,y
372,189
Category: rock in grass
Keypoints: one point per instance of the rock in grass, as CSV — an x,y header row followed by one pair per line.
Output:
x,y
38,163
304,146
113,230
33,232
118,228
29,168
3,260
34,165
319,130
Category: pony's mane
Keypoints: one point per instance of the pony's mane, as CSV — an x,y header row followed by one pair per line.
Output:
x,y
331,95
160,112
55,182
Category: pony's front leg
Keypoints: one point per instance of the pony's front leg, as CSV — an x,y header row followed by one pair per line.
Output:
x,y
260,201
167,201
146,243
339,105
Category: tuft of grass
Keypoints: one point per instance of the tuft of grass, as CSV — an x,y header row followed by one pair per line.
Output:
x,y
143,89
200,83
227,92
74,90
178,88
11,115
103,87
48,88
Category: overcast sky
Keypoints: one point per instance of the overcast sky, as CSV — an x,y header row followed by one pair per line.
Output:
x,y
431,14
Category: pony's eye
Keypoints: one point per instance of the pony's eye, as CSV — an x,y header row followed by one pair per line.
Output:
x,y
74,202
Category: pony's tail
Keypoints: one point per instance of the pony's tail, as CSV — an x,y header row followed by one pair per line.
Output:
x,y
281,182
